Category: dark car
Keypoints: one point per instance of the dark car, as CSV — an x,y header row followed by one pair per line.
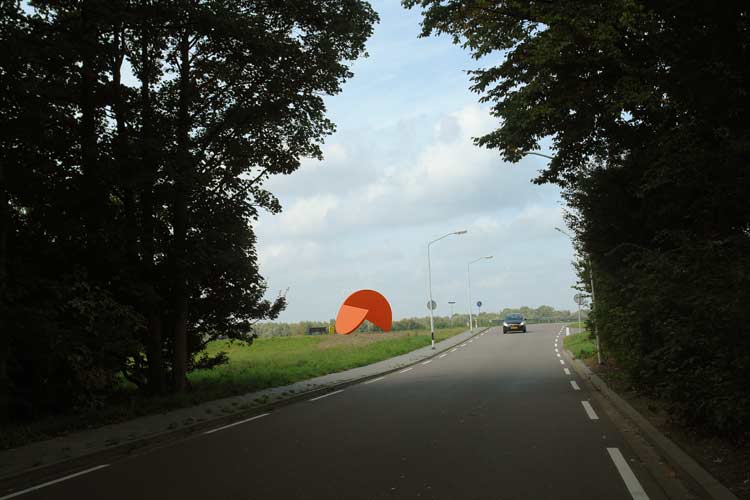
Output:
x,y
514,323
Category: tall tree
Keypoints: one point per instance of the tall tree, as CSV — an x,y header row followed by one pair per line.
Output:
x,y
646,105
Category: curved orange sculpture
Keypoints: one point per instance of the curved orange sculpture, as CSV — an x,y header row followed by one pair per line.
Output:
x,y
364,305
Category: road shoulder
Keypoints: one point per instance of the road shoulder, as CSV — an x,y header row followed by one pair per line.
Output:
x,y
678,474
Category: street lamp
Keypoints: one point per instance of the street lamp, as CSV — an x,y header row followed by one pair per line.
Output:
x,y
451,302
593,298
538,154
429,281
468,275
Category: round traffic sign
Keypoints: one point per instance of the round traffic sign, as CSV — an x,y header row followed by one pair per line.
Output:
x,y
479,303
579,299
432,305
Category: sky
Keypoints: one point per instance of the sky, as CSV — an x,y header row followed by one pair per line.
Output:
x,y
401,170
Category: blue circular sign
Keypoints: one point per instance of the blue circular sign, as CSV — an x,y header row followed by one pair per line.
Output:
x,y
479,303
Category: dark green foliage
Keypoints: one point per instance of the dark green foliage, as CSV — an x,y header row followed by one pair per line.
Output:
x,y
127,198
647,105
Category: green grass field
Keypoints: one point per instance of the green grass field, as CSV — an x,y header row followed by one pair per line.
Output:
x,y
580,344
279,361
269,362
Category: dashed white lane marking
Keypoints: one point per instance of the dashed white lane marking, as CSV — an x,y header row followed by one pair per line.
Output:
x,y
326,395
40,486
454,349
558,355
589,410
567,372
443,355
427,362
240,422
574,385
631,482
374,380
562,362
472,340
463,345
406,369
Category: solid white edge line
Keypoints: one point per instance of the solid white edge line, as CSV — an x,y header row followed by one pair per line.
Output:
x,y
236,423
48,483
442,356
589,410
406,369
628,477
326,395
374,380
427,362
574,385
567,372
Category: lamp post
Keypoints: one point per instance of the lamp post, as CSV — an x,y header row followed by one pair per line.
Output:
x,y
593,297
429,282
451,302
468,288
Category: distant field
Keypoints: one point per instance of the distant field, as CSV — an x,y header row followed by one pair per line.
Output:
x,y
283,360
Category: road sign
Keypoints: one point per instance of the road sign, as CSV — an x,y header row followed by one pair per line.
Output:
x,y
432,305
579,298
479,303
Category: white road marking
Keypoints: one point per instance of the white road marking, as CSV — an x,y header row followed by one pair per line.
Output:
x,y
454,349
631,482
472,340
463,345
589,410
558,355
556,349
406,369
237,423
562,362
574,384
40,486
326,395
444,355
567,372
427,362
374,380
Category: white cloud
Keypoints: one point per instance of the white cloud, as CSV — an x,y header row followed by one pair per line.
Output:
x,y
401,170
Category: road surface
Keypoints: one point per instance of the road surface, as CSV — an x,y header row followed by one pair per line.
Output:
x,y
499,417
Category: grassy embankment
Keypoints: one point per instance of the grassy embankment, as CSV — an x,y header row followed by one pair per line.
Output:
x,y
279,361
269,362
581,344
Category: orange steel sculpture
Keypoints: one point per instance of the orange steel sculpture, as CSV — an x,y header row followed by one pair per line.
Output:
x,y
364,305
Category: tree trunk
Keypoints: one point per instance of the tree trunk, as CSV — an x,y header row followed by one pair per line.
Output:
x,y
4,340
183,176
121,143
156,379
93,195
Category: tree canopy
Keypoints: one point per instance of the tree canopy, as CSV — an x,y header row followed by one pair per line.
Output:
x,y
137,136
645,103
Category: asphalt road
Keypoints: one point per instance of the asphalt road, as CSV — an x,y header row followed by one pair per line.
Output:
x,y
497,418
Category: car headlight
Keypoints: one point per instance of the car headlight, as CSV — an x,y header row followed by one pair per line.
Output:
x,y
523,323
505,324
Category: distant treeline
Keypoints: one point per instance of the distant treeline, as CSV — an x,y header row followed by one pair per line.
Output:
x,y
541,314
